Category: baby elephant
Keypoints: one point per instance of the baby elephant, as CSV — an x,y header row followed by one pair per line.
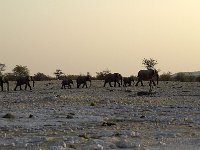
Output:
x,y
128,80
67,82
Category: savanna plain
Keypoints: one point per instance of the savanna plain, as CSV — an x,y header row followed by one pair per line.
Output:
x,y
98,118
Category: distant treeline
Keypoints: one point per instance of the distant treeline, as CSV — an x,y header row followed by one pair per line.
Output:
x,y
20,70
181,77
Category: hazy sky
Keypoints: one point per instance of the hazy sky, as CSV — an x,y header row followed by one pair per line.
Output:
x,y
80,36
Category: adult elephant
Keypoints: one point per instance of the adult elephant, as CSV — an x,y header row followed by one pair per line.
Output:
x,y
128,80
83,80
115,77
147,75
2,81
21,80
67,82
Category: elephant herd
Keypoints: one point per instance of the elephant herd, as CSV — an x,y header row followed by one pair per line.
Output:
x,y
116,78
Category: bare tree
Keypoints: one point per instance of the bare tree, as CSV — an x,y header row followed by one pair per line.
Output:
x,y
149,63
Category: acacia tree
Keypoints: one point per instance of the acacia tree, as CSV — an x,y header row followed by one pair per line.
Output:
x,y
58,73
149,63
20,70
2,68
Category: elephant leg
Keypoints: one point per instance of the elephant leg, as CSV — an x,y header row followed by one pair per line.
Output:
x,y
104,84
142,83
61,87
20,87
29,85
86,85
150,85
1,87
110,84
25,86
15,88
78,85
154,83
137,83
119,84
114,84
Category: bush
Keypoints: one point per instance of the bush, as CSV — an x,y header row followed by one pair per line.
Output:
x,y
165,76
184,78
101,75
198,79
41,77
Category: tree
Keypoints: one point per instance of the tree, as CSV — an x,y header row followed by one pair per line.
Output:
x,y
149,63
58,73
2,68
101,75
20,70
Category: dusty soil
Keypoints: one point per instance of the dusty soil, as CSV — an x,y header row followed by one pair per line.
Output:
x,y
101,118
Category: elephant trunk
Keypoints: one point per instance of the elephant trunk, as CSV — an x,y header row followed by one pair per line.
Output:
x,y
90,83
157,78
33,83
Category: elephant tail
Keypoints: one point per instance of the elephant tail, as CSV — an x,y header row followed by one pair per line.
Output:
x,y
7,86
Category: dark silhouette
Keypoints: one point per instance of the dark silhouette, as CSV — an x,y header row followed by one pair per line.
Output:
x,y
147,75
115,77
128,80
83,80
2,81
21,80
67,82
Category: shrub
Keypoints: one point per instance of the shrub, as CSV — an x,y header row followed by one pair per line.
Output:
x,y
165,76
41,77
101,75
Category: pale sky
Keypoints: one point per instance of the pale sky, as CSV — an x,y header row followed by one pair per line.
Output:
x,y
79,36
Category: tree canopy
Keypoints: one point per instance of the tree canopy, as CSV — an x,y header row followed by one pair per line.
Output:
x,y
149,63
20,70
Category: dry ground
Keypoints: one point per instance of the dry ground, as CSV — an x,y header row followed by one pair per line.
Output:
x,y
101,118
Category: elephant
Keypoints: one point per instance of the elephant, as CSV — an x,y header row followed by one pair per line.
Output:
x,y
115,77
67,82
21,80
128,80
2,81
147,75
83,80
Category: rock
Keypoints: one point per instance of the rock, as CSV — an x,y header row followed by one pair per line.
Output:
x,y
108,124
129,91
125,144
9,116
142,116
93,147
105,134
69,117
142,93
31,116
